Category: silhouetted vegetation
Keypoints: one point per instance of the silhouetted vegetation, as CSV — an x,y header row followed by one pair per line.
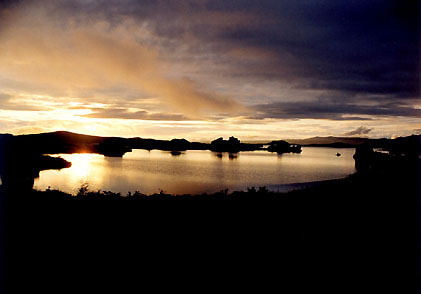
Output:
x,y
365,224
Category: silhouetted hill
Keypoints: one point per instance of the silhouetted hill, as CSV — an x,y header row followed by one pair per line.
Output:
x,y
67,142
63,142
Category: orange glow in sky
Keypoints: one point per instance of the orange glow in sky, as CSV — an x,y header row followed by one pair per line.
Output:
x,y
127,77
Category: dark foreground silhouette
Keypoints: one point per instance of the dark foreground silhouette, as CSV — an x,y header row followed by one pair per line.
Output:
x,y
355,234
342,235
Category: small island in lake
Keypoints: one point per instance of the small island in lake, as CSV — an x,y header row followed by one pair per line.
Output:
x,y
20,165
283,147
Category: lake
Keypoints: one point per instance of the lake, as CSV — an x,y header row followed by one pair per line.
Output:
x,y
198,171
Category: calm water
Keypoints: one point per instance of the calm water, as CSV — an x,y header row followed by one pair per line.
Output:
x,y
197,171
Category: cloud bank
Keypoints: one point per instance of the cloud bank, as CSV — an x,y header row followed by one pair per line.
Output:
x,y
343,62
60,55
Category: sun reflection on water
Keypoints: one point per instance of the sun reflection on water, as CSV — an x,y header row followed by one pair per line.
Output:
x,y
195,171
82,165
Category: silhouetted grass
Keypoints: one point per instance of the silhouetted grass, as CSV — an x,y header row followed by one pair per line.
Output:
x,y
364,224
362,228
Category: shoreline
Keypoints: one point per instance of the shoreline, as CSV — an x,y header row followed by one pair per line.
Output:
x,y
285,188
269,190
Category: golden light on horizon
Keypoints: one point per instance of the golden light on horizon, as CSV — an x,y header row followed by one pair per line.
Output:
x,y
132,77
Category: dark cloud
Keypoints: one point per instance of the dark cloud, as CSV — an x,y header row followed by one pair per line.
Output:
x,y
9,3
358,46
358,131
332,110
367,52
368,47
121,113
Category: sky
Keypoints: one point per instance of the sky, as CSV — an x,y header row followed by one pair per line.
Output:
x,y
202,69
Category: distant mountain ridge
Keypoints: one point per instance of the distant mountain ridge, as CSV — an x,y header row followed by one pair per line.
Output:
x,y
68,142
331,140
65,135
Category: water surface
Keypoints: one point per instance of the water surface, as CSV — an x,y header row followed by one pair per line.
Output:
x,y
197,171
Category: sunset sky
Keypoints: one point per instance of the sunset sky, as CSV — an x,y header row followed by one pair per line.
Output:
x,y
203,69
